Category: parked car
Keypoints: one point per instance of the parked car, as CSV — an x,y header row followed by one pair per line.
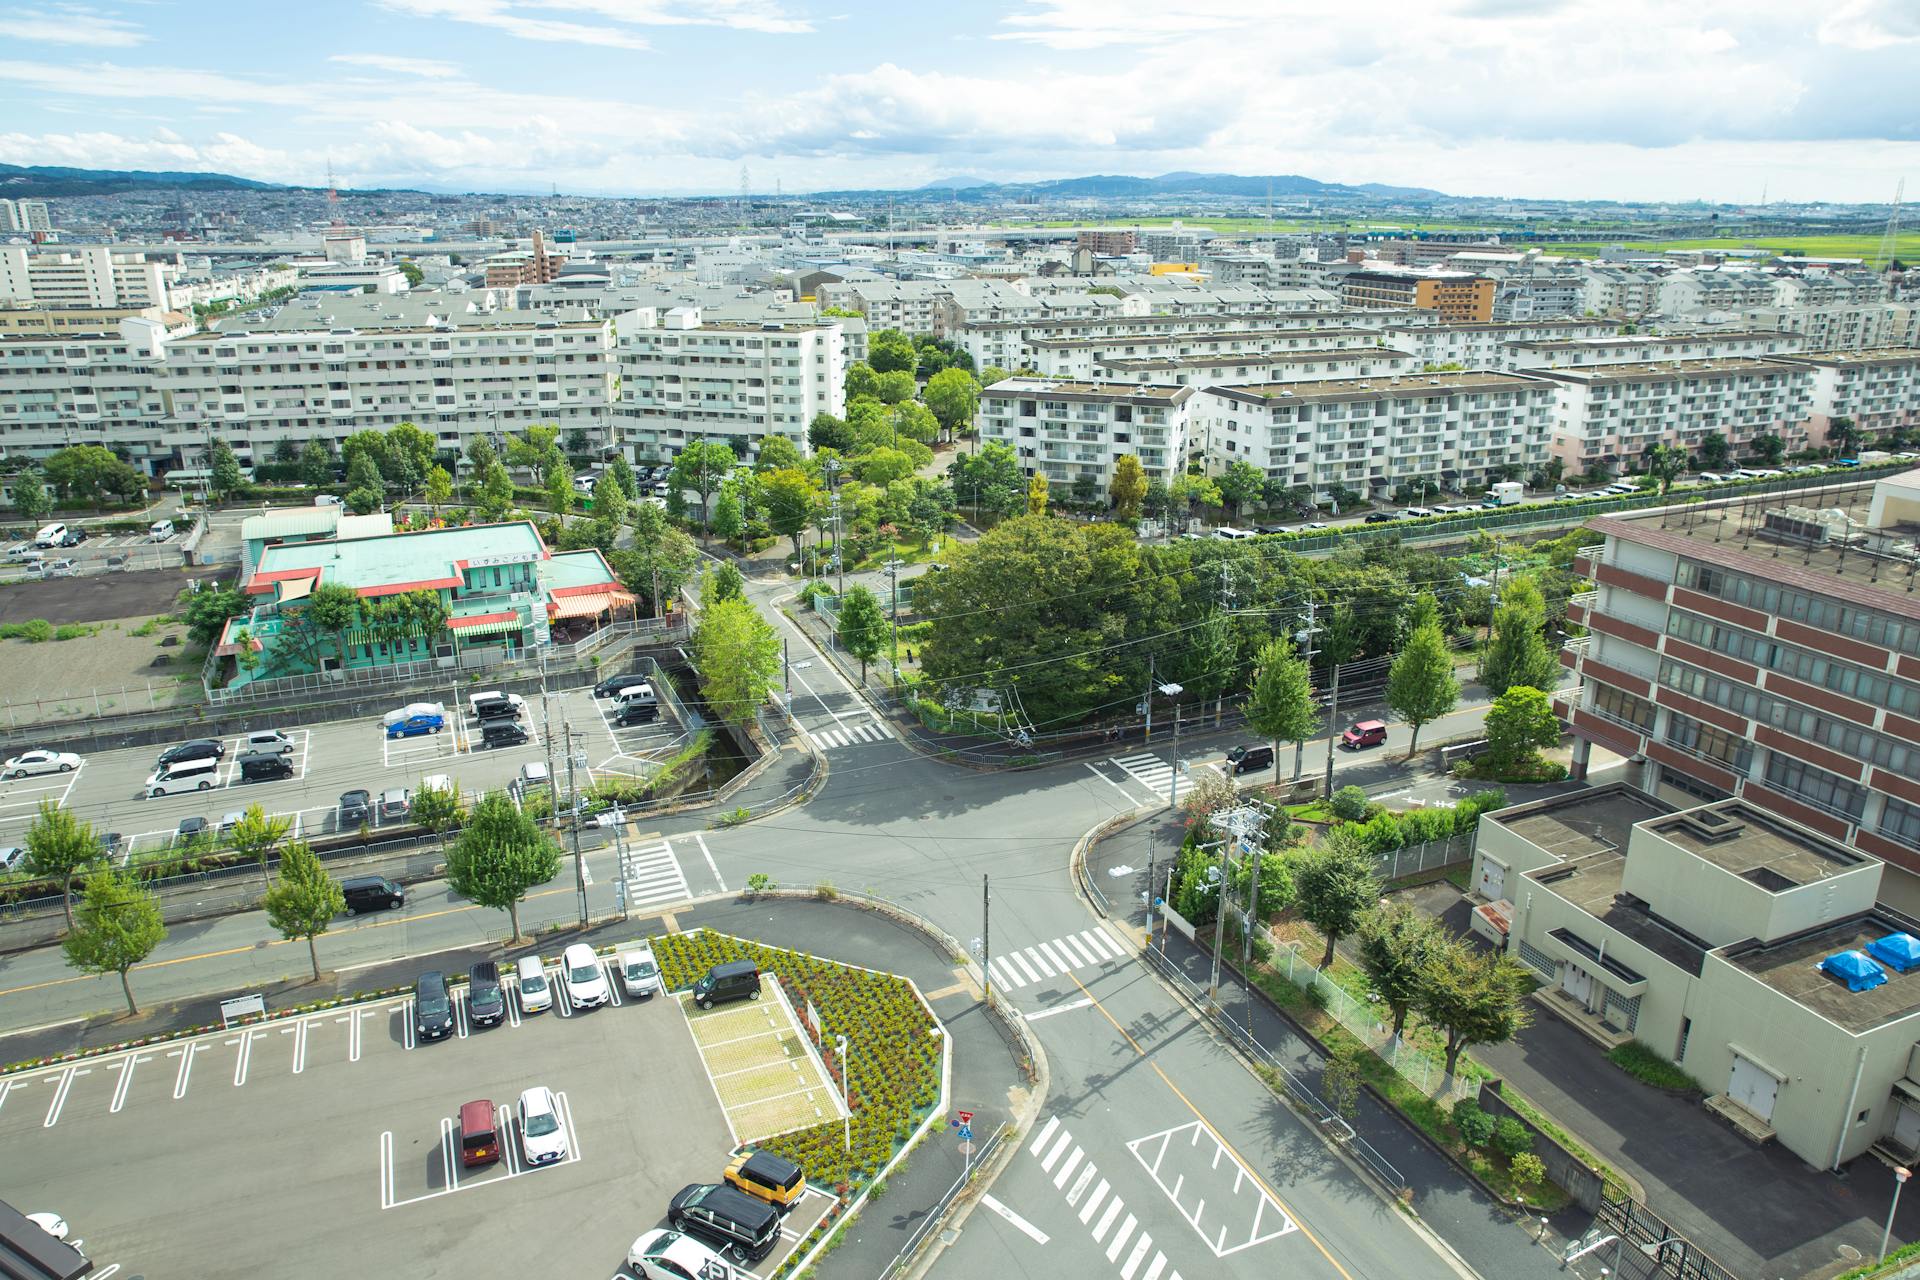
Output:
x,y
11,857
190,828
372,893
766,1176
266,741
486,1002
432,1008
479,1134
74,537
494,705
641,694
230,820
19,551
395,804
64,567
1713,477
632,713
191,774
197,749
661,1254
414,719
32,762
614,684
532,774
160,530
730,1218
502,733
586,981
264,767
1364,733
639,975
356,807
49,535
1380,517
543,1139
327,500
1247,759
530,976
730,980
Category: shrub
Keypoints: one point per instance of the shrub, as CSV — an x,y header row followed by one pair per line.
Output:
x,y
1475,1125
1350,804
1418,826
760,882
1511,1138
1528,1172
1466,815
825,891
1381,834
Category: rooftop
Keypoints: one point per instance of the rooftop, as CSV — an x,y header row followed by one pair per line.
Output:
x,y
1102,391
1580,823
1216,337
1672,370
1377,387
1791,966
1738,838
429,560
1624,341
1878,355
1224,358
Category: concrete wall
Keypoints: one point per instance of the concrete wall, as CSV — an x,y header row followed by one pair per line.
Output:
x,y
1709,900
1579,1179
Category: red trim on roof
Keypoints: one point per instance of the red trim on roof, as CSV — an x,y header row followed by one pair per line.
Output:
x,y
396,588
590,589
476,619
261,583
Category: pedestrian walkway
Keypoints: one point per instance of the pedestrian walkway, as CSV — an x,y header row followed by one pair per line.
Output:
x,y
1015,969
1089,1194
653,875
848,735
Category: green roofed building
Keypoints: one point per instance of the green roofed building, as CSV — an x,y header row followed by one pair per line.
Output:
x,y
445,598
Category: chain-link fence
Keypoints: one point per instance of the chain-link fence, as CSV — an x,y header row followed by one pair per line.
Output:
x,y
1418,858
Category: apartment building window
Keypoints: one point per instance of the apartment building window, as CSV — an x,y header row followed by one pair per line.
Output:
x,y
1901,821
1705,740
1815,611
1622,705
1806,782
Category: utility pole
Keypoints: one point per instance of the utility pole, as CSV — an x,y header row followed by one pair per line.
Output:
x,y
1173,799
1333,726
893,591
1149,700
573,820
986,940
786,664
1300,746
1219,925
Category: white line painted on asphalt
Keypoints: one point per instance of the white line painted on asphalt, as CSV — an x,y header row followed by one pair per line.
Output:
x,y
1120,1238
1059,1148
1093,1201
1040,962
60,1092
1017,959
1053,1123
1063,966
1038,1014
1067,1167
1032,1232
701,841
1106,1220
126,1080
1134,1259
837,718
1110,782
1080,1185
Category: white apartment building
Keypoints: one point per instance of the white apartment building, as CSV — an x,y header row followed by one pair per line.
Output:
x,y
1479,344
1610,416
25,216
1714,289
684,378
1082,358
1242,368
81,276
96,388
1843,326
1069,429
1709,344
1622,291
379,277
912,306
1878,390
1824,288
1010,344
1377,433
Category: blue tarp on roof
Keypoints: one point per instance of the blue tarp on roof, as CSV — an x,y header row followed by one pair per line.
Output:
x,y
1899,951
1854,969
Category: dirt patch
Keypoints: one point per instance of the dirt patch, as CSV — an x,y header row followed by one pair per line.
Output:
x,y
97,598
112,670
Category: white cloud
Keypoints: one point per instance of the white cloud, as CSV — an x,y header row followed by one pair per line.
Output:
x,y
526,18
1872,24
426,68
70,24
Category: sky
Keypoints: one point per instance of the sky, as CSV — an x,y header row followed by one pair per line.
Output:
x,y
1722,100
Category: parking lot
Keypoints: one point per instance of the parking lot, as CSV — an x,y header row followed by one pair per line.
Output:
x,y
327,1145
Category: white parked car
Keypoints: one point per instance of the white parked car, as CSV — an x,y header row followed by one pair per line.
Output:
x,y
543,1139
29,762
668,1255
639,975
536,993
586,981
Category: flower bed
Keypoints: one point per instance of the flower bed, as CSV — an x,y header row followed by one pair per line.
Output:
x,y
894,1051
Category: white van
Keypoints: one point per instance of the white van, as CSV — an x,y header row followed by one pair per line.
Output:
x,y
160,530
183,775
1227,533
640,695
50,535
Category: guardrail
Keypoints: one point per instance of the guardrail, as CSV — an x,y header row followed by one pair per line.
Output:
x,y
937,1212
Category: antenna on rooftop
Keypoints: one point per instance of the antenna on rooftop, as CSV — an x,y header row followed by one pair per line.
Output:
x,y
1890,242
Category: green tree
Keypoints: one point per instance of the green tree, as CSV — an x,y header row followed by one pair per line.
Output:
x,y
1714,451
480,455
1520,723
316,464
701,467
1241,483
363,502
87,473
439,488
662,559
408,447
1474,996
829,432
206,612
1420,686
882,466
862,383
1128,487
557,481
728,521
1843,435
364,473
1334,887
438,809
495,498
1037,494
535,447
895,387
499,855
954,398
255,836
1769,448
723,582
1280,705
1517,653
60,846
1666,463
621,473
891,351
1157,499
1397,944
913,421
117,926
412,272
776,453
334,607
863,626
304,900
739,659
30,496
1190,491
790,498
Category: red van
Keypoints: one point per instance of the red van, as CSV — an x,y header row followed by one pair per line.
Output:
x,y
1364,733
479,1134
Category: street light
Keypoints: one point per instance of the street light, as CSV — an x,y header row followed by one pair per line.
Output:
x,y
846,1099
1900,1176
1174,691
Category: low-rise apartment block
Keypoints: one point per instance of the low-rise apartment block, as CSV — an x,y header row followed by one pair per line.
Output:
x,y
1877,390
1484,346
1239,368
1714,344
1453,295
93,388
1610,416
1070,429
1082,358
1843,327
90,275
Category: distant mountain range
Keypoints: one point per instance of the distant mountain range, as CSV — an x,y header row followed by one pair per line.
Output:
x,y
40,181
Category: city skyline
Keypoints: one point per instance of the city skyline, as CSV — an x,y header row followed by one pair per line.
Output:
x,y
635,97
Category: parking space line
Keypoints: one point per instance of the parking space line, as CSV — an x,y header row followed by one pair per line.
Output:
x,y
1021,1224
60,1092
7,1087
120,1087
245,1056
450,1162
186,1054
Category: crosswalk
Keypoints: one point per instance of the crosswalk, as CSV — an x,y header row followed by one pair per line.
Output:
x,y
653,875
1149,770
1101,1211
844,736
1044,960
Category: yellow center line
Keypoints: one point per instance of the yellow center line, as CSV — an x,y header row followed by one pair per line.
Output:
x,y
1224,1144
274,942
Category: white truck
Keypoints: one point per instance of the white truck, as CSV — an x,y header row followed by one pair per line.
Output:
x,y
1508,493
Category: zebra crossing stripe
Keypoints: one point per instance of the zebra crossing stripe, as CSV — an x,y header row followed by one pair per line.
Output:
x,y
1053,1123
1099,938
1077,949
1025,968
1062,965
1120,1238
1138,1255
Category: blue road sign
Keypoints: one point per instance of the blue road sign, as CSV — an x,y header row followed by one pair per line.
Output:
x,y
966,1133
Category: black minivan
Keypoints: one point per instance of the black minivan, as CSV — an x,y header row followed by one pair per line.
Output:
x,y
261,767
486,1003
502,733
734,980
731,1218
432,1007
1247,759
371,893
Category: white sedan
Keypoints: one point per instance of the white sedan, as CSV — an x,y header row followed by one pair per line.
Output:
x,y
542,1137
40,762
668,1255
586,980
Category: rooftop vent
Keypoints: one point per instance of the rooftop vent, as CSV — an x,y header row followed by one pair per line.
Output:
x,y
1711,824
1855,969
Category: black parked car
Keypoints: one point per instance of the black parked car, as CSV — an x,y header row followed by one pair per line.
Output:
x,y
502,733
74,538
432,1009
1247,759
638,713
745,1227
189,828
198,749
261,767
356,807
486,1003
614,684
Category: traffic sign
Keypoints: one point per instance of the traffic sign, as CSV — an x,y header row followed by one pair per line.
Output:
x,y
964,1117
966,1134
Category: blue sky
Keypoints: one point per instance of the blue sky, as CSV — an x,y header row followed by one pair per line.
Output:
x,y
1632,99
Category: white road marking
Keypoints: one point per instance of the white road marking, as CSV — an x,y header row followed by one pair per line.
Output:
x,y
1134,1259
701,841
1021,961
1110,782
60,1092
1053,1123
1056,956
1120,1238
1038,1014
653,874
1063,966
1067,1167
1106,1220
1080,1185
1032,1232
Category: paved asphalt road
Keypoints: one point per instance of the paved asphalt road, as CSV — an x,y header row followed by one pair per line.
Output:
x,y
1139,1090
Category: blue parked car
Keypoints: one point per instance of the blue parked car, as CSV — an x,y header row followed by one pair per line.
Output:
x,y
415,719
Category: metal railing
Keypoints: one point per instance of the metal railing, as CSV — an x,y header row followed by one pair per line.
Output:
x,y
937,1212
1430,856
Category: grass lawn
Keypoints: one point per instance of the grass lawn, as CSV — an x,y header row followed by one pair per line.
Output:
x,y
1648,1067
1312,811
1830,246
